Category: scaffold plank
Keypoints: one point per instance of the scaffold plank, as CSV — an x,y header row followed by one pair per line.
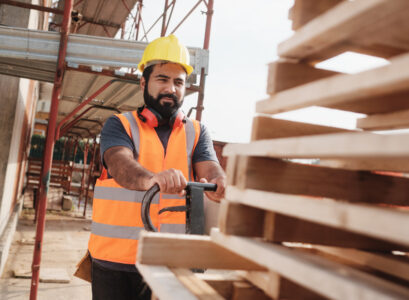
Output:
x,y
386,223
265,127
281,176
188,251
327,278
395,265
164,283
278,228
351,25
337,145
393,120
344,89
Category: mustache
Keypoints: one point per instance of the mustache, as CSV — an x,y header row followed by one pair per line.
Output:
x,y
171,96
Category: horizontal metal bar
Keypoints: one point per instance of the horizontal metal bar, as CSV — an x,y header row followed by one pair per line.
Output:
x,y
42,46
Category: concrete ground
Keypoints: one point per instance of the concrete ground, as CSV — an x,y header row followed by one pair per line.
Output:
x,y
65,242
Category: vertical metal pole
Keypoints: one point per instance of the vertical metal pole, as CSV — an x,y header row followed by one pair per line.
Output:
x,y
138,23
165,10
73,165
83,174
199,107
91,166
48,155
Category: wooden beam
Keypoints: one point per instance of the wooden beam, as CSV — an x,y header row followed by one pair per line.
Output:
x,y
394,265
391,102
389,224
283,75
390,164
339,145
198,287
164,283
278,287
271,128
188,251
337,26
342,89
394,120
304,11
307,270
221,282
279,228
286,177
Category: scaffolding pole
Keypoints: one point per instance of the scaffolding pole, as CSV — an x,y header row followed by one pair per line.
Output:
x,y
209,15
48,153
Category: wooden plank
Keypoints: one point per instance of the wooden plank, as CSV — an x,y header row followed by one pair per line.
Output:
x,y
304,11
270,128
188,251
164,283
337,26
389,264
393,165
282,176
198,287
283,75
273,227
324,277
278,287
339,145
342,89
221,282
394,120
386,223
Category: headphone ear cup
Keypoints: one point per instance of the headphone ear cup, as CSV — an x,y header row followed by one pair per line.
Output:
x,y
150,117
178,119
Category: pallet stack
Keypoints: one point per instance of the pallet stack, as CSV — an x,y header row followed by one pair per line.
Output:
x,y
336,230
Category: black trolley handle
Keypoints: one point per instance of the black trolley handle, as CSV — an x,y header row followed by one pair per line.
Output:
x,y
150,194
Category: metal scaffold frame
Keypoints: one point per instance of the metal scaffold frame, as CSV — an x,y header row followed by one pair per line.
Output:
x,y
66,51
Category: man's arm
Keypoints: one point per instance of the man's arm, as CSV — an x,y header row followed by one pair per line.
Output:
x,y
211,171
130,174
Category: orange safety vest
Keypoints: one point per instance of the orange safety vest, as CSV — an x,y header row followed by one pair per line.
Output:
x,y
116,216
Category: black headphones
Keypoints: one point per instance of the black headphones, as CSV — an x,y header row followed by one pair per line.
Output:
x,y
151,117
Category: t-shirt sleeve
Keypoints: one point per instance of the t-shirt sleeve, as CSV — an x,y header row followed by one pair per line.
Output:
x,y
204,149
114,134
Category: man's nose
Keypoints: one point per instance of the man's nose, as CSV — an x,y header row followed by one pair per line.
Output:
x,y
170,88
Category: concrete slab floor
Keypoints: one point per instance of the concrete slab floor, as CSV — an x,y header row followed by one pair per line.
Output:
x,y
65,242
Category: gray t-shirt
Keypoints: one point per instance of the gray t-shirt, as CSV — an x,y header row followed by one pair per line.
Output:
x,y
114,134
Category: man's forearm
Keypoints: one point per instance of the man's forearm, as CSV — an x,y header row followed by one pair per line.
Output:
x,y
126,170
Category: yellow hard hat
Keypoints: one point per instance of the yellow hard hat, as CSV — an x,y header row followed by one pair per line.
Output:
x,y
166,49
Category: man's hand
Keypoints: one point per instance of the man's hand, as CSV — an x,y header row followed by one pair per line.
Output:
x,y
212,172
170,181
221,186
131,175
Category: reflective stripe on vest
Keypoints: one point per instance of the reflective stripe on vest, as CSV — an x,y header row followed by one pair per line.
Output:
x,y
116,214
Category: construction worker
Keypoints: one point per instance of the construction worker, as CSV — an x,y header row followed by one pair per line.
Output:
x,y
156,144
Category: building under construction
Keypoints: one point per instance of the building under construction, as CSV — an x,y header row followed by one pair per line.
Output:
x,y
311,211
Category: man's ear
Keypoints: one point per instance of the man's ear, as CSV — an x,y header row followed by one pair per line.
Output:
x,y
142,83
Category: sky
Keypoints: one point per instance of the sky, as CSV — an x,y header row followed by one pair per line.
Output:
x,y
244,39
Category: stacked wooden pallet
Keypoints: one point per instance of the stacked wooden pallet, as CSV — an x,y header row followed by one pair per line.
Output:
x,y
339,229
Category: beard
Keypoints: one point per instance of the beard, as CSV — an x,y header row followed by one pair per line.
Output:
x,y
167,110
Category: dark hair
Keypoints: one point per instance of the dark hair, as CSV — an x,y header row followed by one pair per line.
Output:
x,y
147,73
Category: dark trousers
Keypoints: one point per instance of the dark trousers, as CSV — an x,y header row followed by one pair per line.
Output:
x,y
118,285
